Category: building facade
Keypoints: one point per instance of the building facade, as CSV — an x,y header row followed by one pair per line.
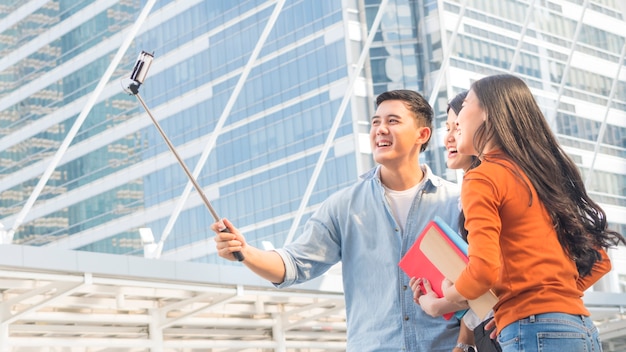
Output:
x,y
117,174
268,103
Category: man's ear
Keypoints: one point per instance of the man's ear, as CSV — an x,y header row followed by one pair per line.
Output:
x,y
423,135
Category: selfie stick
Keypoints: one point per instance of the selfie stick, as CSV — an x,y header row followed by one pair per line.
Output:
x,y
137,77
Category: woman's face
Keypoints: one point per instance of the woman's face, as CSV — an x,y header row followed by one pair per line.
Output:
x,y
470,118
454,160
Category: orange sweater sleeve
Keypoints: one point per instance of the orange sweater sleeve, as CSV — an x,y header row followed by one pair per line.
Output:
x,y
599,269
479,199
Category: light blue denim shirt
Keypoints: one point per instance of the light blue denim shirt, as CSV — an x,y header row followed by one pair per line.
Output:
x,y
356,226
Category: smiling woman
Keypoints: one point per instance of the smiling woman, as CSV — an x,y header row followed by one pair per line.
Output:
x,y
472,326
455,160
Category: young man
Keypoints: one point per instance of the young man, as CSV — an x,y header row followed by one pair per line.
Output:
x,y
369,227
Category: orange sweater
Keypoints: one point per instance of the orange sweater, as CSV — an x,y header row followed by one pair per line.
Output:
x,y
514,250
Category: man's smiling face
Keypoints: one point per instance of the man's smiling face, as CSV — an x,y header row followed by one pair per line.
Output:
x,y
394,134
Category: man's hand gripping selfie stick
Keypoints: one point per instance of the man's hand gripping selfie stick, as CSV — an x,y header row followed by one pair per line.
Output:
x,y
137,77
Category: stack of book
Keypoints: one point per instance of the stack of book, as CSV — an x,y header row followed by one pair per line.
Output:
x,y
440,253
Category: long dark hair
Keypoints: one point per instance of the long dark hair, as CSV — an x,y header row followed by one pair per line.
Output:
x,y
416,103
516,125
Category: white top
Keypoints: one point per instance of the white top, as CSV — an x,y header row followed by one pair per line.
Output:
x,y
472,320
401,201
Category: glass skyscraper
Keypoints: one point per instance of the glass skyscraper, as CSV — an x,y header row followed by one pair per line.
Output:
x,y
269,104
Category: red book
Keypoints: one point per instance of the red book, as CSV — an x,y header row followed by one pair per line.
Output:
x,y
415,263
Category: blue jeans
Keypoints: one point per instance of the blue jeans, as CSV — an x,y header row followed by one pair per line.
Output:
x,y
551,332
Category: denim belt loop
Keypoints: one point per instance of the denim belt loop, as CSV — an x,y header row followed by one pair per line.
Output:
x,y
531,318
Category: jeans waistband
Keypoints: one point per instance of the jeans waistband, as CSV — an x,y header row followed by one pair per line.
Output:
x,y
535,317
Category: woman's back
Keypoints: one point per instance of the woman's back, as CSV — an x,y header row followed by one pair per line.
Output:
x,y
535,273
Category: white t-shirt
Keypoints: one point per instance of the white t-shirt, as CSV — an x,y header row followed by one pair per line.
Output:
x,y
401,201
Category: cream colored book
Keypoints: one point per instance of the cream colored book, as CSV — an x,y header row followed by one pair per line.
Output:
x,y
439,251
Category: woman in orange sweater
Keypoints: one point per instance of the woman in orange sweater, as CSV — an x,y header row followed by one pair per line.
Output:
x,y
535,237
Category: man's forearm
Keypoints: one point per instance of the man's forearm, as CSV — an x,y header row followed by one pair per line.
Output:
x,y
267,264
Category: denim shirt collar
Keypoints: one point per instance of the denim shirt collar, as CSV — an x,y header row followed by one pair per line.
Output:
x,y
429,186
